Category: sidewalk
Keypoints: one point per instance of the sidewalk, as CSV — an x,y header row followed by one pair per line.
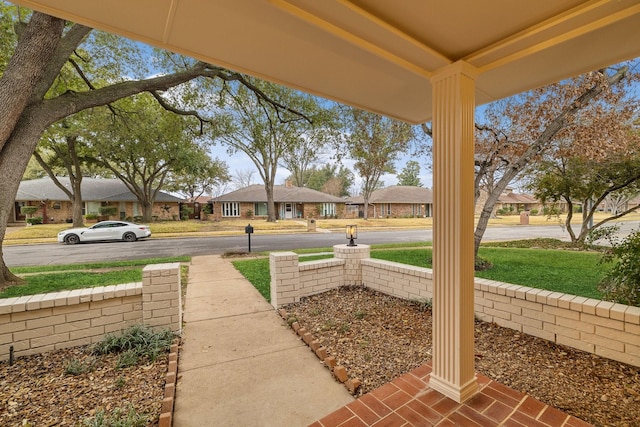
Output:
x,y
240,365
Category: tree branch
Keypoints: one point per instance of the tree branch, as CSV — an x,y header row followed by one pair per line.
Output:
x,y
193,113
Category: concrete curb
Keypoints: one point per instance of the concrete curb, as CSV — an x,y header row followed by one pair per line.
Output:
x,y
339,372
166,413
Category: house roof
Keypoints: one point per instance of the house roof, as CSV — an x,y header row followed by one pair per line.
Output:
x,y
93,189
281,194
379,55
397,194
517,198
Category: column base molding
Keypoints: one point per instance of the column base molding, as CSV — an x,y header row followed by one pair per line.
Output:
x,y
458,393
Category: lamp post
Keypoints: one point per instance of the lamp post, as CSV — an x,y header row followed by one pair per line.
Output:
x,y
352,234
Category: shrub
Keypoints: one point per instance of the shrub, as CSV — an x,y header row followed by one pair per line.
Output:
x,y
482,264
185,212
28,210
34,220
533,211
91,216
622,283
119,417
135,344
249,213
79,367
108,210
551,211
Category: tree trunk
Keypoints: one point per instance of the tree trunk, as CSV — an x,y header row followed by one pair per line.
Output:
x,y
78,220
14,158
74,169
147,210
76,183
26,67
271,205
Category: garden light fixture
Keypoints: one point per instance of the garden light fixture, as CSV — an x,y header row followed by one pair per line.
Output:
x,y
352,234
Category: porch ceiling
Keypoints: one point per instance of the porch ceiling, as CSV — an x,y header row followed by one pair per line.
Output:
x,y
378,55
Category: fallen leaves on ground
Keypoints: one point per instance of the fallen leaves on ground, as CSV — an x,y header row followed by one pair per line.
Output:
x,y
38,391
378,338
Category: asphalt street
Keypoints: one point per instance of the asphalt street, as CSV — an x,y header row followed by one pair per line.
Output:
x,y
55,253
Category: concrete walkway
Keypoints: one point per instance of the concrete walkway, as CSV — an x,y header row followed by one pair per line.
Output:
x,y
240,364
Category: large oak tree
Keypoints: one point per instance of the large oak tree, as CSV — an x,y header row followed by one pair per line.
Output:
x,y
266,134
516,133
374,142
30,99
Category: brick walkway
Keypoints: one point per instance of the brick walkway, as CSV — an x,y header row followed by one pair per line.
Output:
x,y
408,401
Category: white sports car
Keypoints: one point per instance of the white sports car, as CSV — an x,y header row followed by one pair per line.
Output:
x,y
105,230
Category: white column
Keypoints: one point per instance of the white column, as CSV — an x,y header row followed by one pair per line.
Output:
x,y
453,263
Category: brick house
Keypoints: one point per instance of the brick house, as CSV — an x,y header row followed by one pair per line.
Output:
x,y
291,202
396,201
512,202
55,207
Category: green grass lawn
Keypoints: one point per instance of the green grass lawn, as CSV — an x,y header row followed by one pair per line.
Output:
x,y
571,272
43,279
53,282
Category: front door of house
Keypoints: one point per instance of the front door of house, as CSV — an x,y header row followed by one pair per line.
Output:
x,y
288,210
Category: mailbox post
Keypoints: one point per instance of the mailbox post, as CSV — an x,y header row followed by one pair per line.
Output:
x,y
249,230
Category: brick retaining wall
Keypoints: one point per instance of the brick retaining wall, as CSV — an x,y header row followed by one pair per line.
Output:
x,y
600,327
39,323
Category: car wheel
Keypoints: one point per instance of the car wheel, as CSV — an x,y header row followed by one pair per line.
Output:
x,y
72,239
129,237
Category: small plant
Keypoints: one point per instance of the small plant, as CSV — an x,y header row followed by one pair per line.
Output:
x,y
120,382
533,211
143,342
34,220
360,314
249,213
127,359
91,216
329,324
119,417
78,367
424,304
315,312
482,264
344,328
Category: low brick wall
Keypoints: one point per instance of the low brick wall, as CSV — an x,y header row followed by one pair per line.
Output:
x,y
39,323
599,327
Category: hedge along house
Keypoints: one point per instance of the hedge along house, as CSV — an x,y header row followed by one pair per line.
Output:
x,y
291,202
415,60
396,201
54,206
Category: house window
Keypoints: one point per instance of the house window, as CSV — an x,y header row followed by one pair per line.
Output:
x,y
92,208
260,209
56,205
416,209
328,209
230,209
